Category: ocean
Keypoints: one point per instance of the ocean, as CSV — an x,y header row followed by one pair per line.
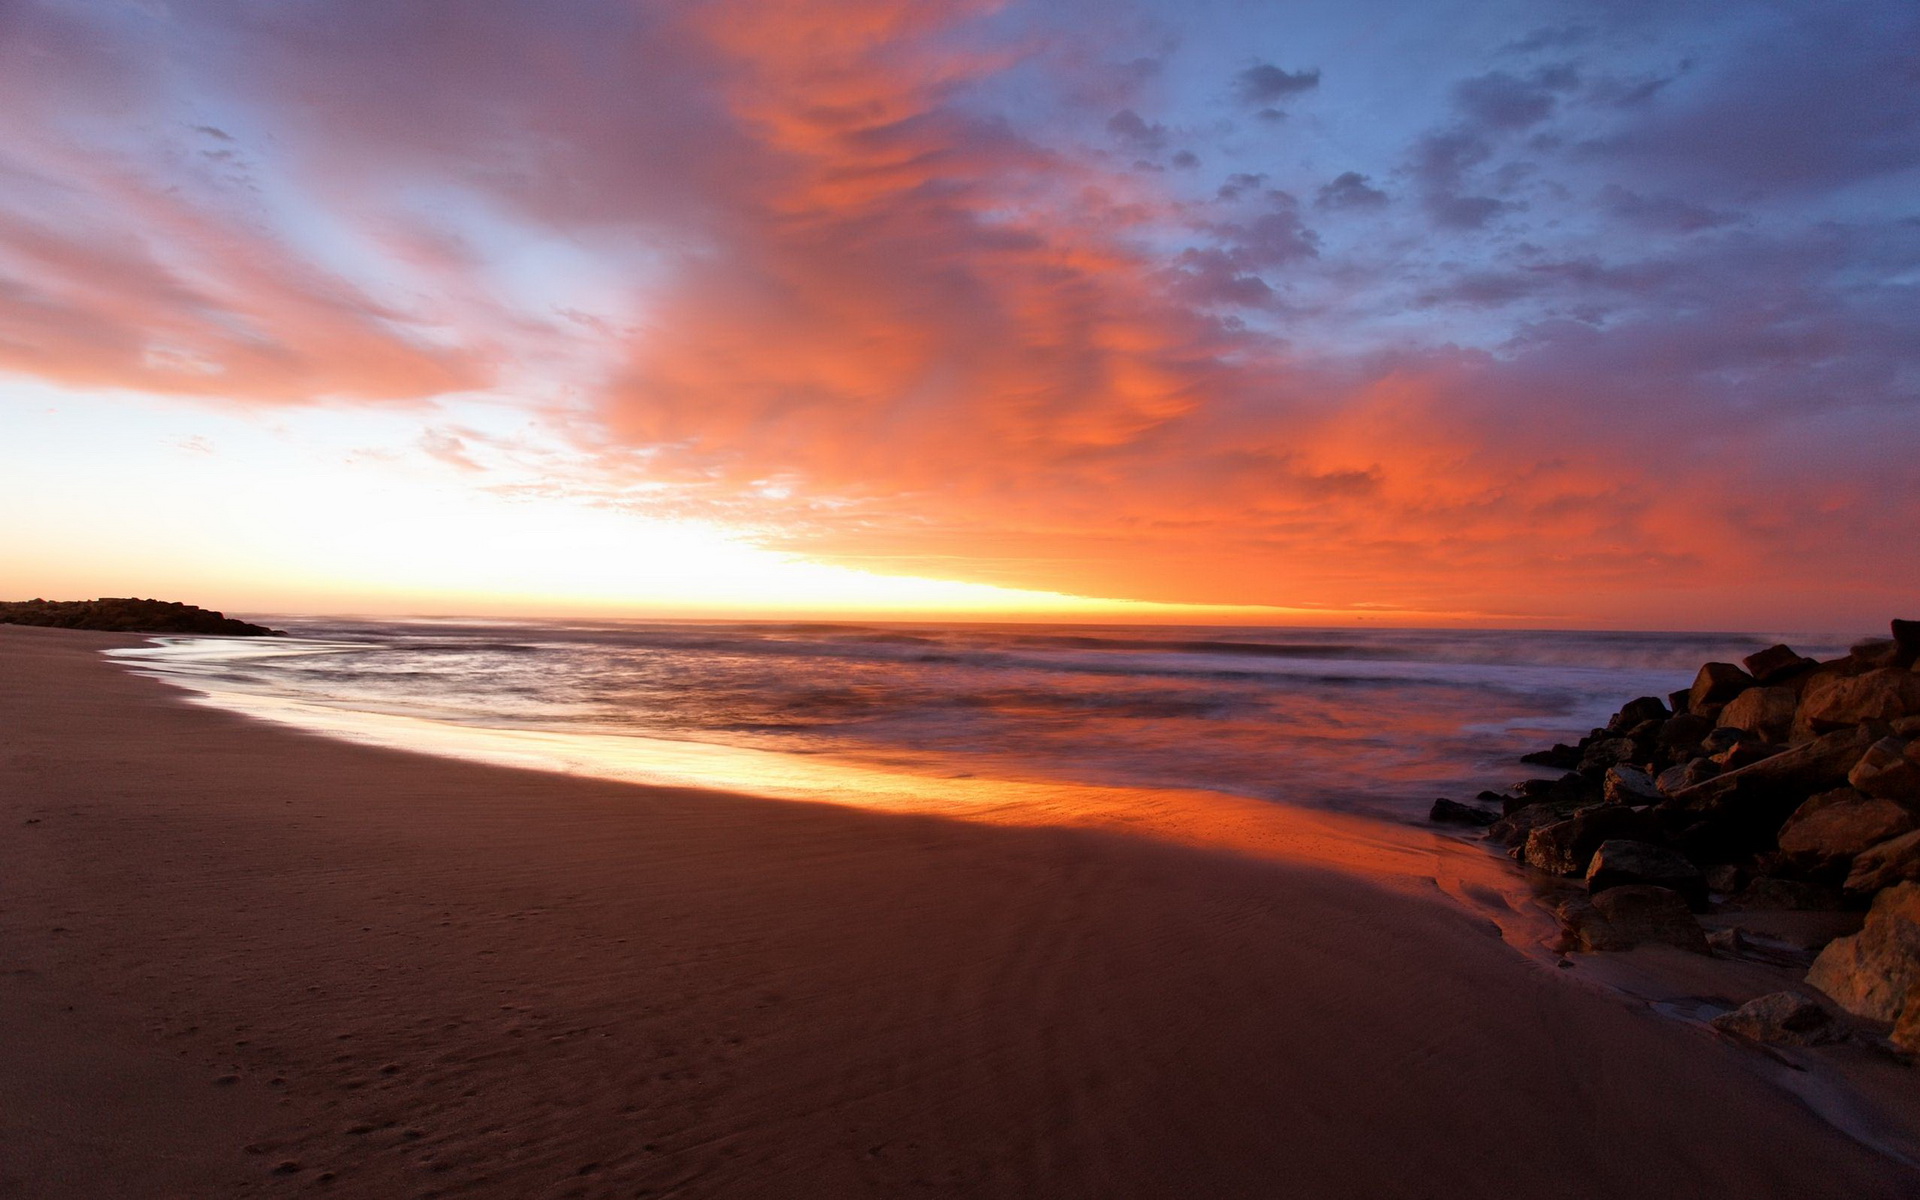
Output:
x,y
1370,721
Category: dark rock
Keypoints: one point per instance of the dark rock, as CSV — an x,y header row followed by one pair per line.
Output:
x,y
1906,1029
1565,847
124,614
1624,862
1729,942
1872,973
1764,711
1454,813
1514,828
1826,832
1720,739
1680,737
1636,712
1716,684
1890,769
1629,785
1562,757
1776,663
1777,784
1876,653
1725,879
1781,1017
1906,635
1743,754
1770,893
1892,861
1605,752
1676,779
1839,701
1623,917
1678,701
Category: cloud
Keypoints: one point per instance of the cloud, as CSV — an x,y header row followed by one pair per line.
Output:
x,y
1130,128
1264,84
1498,100
1349,191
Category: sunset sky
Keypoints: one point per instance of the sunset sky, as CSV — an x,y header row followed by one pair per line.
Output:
x,y
1574,313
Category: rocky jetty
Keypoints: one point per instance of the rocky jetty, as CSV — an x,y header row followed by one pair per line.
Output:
x,y
119,614
1778,783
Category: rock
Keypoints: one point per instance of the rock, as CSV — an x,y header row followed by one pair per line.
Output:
x,y
1871,973
1770,893
1766,711
1743,754
1716,684
1514,828
1562,756
1624,917
1629,785
1776,663
1675,779
1906,635
1792,774
1604,752
1679,739
1888,863
1623,862
1637,711
1838,701
1725,879
1455,813
1720,739
1831,828
1678,700
1906,1030
1727,941
1781,1017
1890,769
1908,727
1565,847
1876,652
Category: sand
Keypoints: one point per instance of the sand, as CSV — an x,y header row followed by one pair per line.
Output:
x,y
242,960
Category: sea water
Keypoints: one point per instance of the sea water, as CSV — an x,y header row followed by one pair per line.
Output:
x,y
1373,721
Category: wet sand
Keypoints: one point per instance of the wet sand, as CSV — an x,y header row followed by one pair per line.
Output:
x,y
243,960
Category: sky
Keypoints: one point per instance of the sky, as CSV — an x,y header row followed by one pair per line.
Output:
x,y
1567,313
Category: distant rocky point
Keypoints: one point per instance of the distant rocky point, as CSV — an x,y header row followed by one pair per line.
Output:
x,y
124,614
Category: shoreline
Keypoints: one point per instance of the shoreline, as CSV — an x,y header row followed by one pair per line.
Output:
x,y
593,988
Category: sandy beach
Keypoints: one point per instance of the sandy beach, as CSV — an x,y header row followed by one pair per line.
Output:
x,y
246,961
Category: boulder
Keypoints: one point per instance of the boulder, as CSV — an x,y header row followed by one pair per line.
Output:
x,y
1906,1030
1562,756
1720,739
1770,893
1765,711
1629,785
1602,753
1872,973
1906,635
1781,1017
1636,712
1794,773
1838,701
1679,739
1876,652
1455,813
1678,700
1831,828
1776,663
1725,878
1890,769
1514,828
1623,862
1676,779
1624,917
1888,863
1565,847
1716,684
1743,754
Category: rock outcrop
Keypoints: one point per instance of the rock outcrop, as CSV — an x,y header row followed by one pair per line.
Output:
x,y
1783,784
128,615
